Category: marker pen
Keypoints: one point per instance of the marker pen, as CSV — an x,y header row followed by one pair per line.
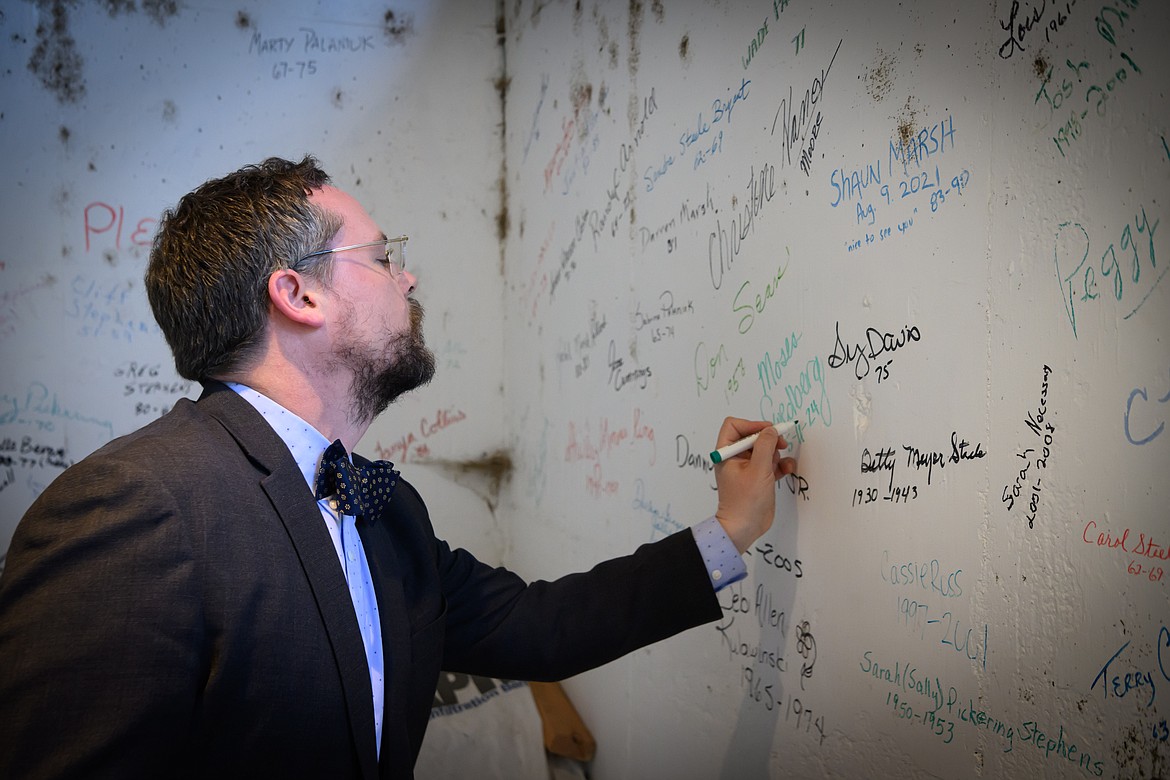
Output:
x,y
743,445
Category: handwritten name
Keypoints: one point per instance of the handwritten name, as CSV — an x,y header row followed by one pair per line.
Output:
x,y
620,376
1119,685
861,354
1036,456
723,246
795,123
40,407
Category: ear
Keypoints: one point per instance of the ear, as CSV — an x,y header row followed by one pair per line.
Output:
x,y
292,296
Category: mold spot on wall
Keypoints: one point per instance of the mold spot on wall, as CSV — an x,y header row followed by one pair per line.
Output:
x,y
581,96
63,133
244,21
503,222
905,133
55,60
61,200
907,123
170,111
484,475
1132,757
604,42
636,10
397,26
338,98
116,7
537,7
879,78
659,11
684,49
1040,66
502,85
160,10
111,257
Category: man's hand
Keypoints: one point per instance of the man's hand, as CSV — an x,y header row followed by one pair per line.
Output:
x,y
747,482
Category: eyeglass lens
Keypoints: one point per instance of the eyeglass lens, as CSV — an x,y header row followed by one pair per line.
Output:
x,y
396,254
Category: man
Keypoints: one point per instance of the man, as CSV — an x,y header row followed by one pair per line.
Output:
x,y
207,597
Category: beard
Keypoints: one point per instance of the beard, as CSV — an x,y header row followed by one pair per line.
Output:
x,y
383,372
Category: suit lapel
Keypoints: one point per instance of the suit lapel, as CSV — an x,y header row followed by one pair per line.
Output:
x,y
392,608
293,503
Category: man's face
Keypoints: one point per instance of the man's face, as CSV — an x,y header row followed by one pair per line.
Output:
x,y
377,327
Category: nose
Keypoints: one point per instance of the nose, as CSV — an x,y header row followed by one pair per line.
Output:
x,y
407,281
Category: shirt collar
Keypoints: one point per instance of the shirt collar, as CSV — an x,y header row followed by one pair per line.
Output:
x,y
305,442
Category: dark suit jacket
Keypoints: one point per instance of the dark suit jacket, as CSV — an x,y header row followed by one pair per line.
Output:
x,y
173,606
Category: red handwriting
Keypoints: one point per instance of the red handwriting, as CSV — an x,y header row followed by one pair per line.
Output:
x,y
102,218
609,438
410,446
1143,547
442,420
395,451
535,288
399,451
586,445
597,486
561,153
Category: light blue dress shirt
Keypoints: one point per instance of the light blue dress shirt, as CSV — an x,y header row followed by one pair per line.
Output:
x,y
724,563
307,445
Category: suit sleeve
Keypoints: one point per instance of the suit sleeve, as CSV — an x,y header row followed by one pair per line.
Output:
x,y
100,625
499,626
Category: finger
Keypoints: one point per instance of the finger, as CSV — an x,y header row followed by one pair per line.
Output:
x,y
782,465
734,429
786,466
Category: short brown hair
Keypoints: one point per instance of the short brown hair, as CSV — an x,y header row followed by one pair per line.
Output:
x,y
207,279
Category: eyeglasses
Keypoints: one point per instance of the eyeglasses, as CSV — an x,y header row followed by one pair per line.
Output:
x,y
395,258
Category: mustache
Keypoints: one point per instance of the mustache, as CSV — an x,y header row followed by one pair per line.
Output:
x,y
417,313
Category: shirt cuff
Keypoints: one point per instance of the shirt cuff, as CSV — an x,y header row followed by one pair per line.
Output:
x,y
724,563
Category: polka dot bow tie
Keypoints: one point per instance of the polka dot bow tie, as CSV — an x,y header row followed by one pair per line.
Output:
x,y
360,490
